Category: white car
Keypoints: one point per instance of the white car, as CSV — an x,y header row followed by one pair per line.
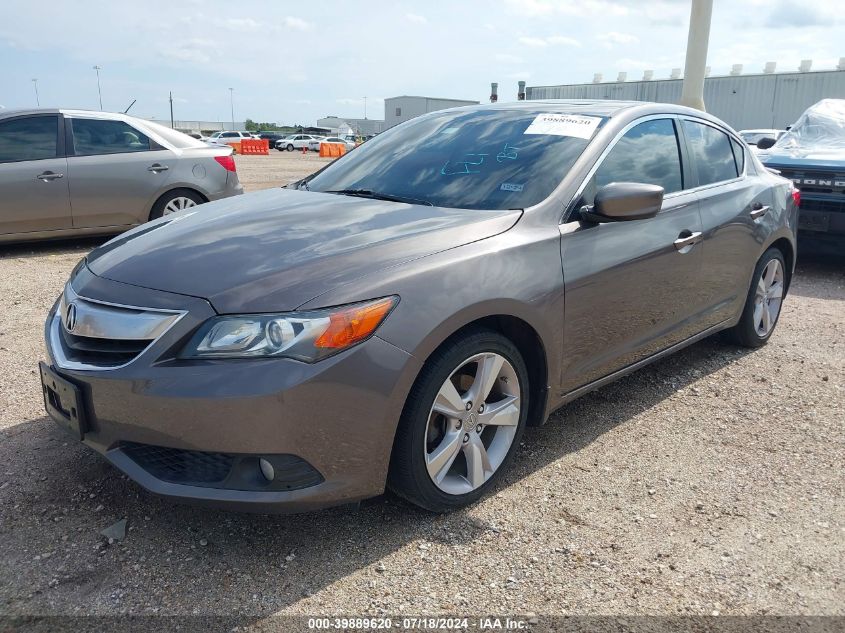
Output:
x,y
296,141
315,144
752,137
226,137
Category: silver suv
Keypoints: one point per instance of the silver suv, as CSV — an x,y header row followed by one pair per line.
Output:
x,y
69,172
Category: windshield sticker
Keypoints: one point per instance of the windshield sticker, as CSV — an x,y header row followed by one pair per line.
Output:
x,y
507,153
509,186
564,125
462,166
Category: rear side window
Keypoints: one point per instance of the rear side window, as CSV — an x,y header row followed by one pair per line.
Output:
x,y
99,136
711,149
29,138
647,153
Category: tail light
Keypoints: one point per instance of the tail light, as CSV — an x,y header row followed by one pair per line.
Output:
x,y
796,197
228,162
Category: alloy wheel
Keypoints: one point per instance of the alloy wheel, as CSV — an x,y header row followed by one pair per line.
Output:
x,y
178,204
768,298
472,423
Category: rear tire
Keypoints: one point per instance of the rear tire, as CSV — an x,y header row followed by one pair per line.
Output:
x,y
173,201
450,450
763,303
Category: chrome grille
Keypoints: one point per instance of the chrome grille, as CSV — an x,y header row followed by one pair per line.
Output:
x,y
90,334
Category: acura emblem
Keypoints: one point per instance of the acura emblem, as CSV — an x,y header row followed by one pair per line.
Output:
x,y
70,317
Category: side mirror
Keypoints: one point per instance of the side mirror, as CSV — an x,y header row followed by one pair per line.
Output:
x,y
765,143
621,201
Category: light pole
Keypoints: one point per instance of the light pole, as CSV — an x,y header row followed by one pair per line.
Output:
x,y
365,107
232,105
692,92
37,100
99,92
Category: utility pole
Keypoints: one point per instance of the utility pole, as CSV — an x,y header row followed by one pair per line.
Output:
x,y
365,107
171,109
232,105
37,100
692,92
99,92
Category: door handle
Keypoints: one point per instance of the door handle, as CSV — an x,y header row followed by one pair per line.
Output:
x,y
47,176
155,168
759,210
687,240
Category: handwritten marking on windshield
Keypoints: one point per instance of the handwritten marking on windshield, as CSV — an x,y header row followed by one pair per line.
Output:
x,y
445,171
508,153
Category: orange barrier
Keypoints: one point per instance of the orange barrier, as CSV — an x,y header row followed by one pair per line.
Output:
x,y
235,146
255,147
332,150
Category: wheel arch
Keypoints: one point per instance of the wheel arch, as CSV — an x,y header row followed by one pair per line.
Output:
x,y
170,189
786,248
530,345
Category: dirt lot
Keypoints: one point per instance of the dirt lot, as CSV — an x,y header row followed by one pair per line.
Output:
x,y
708,482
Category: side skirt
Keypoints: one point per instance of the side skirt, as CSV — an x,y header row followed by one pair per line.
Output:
x,y
601,382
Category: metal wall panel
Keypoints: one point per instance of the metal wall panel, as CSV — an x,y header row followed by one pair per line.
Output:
x,y
411,107
744,101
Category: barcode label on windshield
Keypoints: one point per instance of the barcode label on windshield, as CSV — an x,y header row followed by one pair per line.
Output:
x,y
564,125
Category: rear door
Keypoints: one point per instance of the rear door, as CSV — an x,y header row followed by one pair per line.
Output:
x,y
632,287
33,175
734,203
116,172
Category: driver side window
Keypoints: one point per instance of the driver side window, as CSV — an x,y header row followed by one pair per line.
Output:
x,y
647,153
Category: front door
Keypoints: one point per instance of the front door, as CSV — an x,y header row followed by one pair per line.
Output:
x,y
632,287
33,176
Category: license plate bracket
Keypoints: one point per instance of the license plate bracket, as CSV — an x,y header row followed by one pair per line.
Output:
x,y
813,221
63,401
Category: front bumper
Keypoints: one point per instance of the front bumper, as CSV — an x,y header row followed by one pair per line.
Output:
x,y
338,415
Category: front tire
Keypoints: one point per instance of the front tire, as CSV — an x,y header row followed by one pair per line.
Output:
x,y
462,422
764,302
290,147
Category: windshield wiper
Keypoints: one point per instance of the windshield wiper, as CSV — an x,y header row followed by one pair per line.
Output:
x,y
369,193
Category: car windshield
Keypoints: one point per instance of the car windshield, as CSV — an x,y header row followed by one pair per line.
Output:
x,y
477,159
820,130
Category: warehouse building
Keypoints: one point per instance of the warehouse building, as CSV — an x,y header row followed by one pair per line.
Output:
x,y
400,109
766,100
346,125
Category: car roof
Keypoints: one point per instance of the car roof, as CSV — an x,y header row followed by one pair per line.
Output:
x,y
612,109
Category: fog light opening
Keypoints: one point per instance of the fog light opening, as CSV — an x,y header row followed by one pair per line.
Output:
x,y
267,469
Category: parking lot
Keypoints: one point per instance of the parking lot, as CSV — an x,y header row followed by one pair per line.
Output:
x,y
708,482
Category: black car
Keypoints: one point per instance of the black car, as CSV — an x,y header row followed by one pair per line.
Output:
x,y
272,137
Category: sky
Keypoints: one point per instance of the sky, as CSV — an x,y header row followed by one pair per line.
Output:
x,y
290,61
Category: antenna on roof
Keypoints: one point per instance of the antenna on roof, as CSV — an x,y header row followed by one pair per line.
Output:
x,y
130,105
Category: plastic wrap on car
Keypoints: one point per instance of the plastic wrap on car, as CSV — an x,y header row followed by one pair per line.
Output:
x,y
819,133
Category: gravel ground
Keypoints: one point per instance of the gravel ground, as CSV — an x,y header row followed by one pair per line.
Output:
x,y
708,482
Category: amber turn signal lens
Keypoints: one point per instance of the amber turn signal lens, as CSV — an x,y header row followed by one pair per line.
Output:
x,y
355,323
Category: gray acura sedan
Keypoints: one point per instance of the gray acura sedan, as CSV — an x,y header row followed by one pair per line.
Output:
x,y
79,172
398,318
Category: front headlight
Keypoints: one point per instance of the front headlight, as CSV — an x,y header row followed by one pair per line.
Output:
x,y
307,336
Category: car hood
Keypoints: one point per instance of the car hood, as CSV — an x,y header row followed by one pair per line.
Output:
x,y
275,250
804,161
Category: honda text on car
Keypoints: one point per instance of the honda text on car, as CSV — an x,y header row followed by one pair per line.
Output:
x,y
398,318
